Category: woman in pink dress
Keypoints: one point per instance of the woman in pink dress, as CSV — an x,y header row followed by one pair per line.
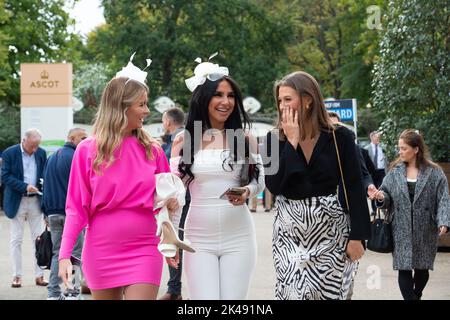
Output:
x,y
111,191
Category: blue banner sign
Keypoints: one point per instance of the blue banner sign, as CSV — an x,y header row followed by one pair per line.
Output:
x,y
345,108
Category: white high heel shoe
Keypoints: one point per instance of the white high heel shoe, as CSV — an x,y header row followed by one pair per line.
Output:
x,y
169,185
170,242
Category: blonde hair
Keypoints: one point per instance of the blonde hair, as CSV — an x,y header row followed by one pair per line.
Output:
x,y
305,85
111,120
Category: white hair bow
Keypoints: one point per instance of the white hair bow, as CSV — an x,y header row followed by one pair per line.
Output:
x,y
204,70
132,72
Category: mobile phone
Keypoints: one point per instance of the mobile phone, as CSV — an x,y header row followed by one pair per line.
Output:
x,y
232,191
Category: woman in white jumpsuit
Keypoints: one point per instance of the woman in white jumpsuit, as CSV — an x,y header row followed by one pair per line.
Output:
x,y
221,231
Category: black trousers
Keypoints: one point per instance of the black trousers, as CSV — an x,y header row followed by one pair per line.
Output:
x,y
174,283
411,286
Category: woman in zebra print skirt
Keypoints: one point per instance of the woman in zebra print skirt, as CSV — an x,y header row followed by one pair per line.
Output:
x,y
316,245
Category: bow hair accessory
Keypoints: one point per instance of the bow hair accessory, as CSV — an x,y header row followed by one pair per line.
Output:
x,y
132,72
204,70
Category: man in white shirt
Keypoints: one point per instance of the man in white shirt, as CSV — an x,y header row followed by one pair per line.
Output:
x,y
22,169
378,158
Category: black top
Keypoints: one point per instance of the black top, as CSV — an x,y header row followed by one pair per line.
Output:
x,y
295,179
411,190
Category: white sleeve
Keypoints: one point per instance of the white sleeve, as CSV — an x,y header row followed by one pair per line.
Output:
x,y
256,186
174,162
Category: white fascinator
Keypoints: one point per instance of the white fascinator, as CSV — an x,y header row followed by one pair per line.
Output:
x,y
205,70
132,72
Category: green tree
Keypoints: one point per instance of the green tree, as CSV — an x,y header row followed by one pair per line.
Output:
x,y
411,80
4,38
89,81
173,33
333,42
31,31
38,32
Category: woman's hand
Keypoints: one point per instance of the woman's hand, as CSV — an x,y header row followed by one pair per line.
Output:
x,y
442,230
172,205
236,200
374,193
173,262
355,250
65,272
371,190
289,123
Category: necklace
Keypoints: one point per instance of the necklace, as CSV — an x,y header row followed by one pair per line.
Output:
x,y
214,132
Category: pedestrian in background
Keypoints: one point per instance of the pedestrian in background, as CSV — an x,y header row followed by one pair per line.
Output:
x,y
2,185
22,170
380,163
415,193
173,122
56,180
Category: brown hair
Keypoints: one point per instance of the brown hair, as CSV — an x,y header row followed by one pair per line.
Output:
x,y
111,120
305,84
415,140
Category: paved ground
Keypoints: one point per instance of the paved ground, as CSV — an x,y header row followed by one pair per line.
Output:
x,y
375,280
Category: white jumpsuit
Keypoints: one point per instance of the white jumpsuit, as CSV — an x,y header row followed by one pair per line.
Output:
x,y
223,235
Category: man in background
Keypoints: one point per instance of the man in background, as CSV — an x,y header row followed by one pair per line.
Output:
x,y
22,169
173,121
1,184
56,181
376,154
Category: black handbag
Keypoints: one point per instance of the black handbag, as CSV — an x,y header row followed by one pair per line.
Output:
x,y
380,235
44,250
246,173
247,167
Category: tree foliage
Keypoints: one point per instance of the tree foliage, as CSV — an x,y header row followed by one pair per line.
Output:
x,y
31,31
4,38
37,32
333,42
173,33
411,78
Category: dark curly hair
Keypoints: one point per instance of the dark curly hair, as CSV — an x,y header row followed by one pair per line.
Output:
x,y
198,111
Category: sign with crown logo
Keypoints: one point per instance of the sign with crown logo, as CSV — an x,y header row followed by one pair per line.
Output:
x,y
46,84
46,101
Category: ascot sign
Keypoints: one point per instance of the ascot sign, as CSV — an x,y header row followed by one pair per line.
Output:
x,y
46,84
46,101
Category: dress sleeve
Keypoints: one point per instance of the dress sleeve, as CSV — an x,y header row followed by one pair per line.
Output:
x,y
162,165
443,200
281,163
386,203
174,162
79,196
357,199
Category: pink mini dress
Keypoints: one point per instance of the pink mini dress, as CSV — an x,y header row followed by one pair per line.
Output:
x,y
116,208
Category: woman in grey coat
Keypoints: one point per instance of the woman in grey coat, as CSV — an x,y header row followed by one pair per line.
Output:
x,y
415,192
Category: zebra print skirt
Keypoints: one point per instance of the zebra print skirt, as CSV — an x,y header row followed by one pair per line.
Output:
x,y
309,242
